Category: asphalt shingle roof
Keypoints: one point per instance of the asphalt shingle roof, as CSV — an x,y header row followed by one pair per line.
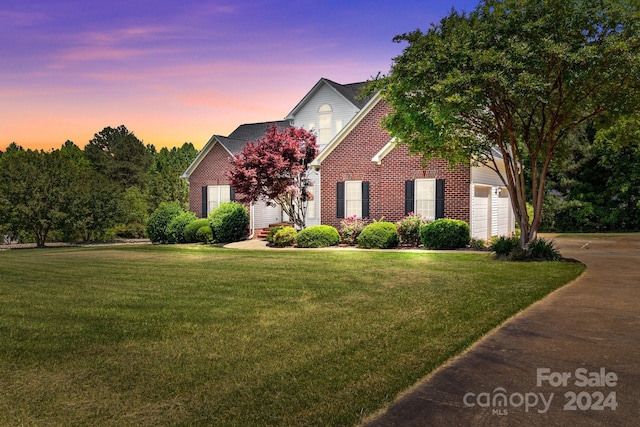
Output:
x,y
352,91
248,132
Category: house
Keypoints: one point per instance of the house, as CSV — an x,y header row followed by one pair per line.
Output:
x,y
360,170
208,182
365,172
326,109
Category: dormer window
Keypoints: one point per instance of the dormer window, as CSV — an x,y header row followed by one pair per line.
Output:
x,y
325,113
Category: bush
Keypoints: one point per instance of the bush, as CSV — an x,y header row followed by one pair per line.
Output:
x,y
445,234
191,230
318,236
477,244
229,222
160,220
379,235
132,230
504,246
350,229
538,250
175,229
204,234
272,232
409,229
544,250
285,236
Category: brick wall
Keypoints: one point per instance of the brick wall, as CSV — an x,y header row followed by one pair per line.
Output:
x,y
210,171
351,161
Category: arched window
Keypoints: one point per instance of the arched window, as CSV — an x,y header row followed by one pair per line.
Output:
x,y
324,124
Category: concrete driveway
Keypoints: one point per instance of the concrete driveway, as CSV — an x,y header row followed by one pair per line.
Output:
x,y
572,359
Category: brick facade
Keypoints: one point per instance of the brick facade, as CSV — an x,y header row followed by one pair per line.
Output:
x,y
351,161
210,171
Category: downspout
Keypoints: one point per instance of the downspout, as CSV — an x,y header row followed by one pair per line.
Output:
x,y
251,221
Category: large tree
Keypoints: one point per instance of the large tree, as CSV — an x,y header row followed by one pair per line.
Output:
x,y
37,191
274,169
600,191
165,184
511,81
120,156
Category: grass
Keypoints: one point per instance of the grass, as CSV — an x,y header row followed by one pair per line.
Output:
x,y
195,335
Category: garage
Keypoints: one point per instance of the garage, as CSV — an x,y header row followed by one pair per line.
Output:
x,y
481,212
504,218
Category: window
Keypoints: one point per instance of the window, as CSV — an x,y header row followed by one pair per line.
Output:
x,y
325,113
217,194
352,199
425,197
311,204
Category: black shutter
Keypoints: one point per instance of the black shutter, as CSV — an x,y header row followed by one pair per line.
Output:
x,y
365,199
439,198
409,197
340,200
232,194
204,202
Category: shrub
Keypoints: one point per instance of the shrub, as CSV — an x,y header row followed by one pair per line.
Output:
x,y
175,229
285,236
229,222
545,250
409,229
503,246
445,234
350,229
477,244
160,220
379,235
204,234
133,230
191,230
318,236
272,232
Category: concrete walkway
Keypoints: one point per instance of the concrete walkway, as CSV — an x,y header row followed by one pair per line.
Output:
x,y
572,359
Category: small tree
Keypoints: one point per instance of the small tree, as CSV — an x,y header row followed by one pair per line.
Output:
x,y
274,169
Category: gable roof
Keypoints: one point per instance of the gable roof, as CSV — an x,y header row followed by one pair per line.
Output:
x,y
350,92
235,141
366,109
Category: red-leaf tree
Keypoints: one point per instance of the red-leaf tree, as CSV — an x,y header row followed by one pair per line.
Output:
x,y
275,169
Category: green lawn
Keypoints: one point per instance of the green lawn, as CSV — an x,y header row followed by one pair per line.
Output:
x,y
196,335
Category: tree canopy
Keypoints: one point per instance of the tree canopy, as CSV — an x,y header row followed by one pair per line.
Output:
x,y
120,155
35,191
274,169
510,82
105,191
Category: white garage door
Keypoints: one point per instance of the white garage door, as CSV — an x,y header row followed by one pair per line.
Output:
x,y
481,216
504,213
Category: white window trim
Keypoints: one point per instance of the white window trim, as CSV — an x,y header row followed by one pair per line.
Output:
x,y
221,196
357,202
430,216
325,121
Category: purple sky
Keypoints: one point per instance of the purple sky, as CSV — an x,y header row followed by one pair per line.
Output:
x,y
177,71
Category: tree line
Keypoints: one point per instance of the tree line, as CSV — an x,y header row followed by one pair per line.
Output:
x,y
104,191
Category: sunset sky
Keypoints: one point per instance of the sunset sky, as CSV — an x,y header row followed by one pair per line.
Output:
x,y
179,71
